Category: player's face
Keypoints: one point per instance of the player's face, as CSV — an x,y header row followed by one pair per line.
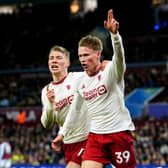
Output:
x,y
57,62
89,59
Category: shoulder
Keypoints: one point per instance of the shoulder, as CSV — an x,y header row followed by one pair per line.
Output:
x,y
106,65
76,75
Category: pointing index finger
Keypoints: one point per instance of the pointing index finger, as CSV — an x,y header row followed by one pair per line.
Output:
x,y
110,15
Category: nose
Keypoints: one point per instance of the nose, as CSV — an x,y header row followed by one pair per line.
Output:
x,y
54,60
82,59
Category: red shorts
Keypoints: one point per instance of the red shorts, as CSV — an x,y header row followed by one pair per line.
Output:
x,y
115,148
74,152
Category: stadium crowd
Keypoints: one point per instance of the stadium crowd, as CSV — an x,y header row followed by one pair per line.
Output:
x,y
32,144
24,90
152,142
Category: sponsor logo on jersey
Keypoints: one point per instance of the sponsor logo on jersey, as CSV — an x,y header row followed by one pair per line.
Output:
x,y
63,103
100,90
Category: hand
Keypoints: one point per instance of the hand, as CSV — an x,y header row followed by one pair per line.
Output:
x,y
56,143
50,95
103,64
111,24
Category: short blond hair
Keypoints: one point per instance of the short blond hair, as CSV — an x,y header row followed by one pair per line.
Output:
x,y
61,49
91,42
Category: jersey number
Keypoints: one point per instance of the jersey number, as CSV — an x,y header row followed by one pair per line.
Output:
x,y
81,151
122,156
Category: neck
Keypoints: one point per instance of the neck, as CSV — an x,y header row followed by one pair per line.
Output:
x,y
96,70
59,77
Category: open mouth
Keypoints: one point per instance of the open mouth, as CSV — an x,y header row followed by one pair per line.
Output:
x,y
84,66
54,67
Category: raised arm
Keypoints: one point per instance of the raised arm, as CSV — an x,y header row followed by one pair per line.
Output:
x,y
118,59
111,24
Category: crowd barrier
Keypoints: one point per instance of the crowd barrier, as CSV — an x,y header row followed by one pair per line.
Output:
x,y
158,110
138,98
63,166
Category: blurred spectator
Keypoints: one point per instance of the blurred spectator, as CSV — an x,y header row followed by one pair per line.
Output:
x,y
21,117
17,156
5,151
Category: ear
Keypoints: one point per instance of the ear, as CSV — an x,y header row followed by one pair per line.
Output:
x,y
68,63
99,55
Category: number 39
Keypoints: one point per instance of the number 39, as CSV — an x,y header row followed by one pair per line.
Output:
x,y
122,156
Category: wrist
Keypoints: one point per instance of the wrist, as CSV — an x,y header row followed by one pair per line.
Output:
x,y
61,136
115,36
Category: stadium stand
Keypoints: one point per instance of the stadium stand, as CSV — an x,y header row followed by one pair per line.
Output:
x,y
24,88
27,35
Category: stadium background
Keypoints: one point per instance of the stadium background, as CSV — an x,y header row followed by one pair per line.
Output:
x,y
30,28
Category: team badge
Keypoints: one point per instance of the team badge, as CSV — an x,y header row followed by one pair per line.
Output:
x,y
83,86
68,87
99,77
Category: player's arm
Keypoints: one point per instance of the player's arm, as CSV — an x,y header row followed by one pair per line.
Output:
x,y
118,59
73,113
69,121
57,141
47,117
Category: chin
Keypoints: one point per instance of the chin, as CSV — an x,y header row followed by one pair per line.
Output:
x,y
55,72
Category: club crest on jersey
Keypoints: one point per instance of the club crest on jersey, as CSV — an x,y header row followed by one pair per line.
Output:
x,y
83,86
99,77
68,87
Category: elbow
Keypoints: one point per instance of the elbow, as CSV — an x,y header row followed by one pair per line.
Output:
x,y
46,124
